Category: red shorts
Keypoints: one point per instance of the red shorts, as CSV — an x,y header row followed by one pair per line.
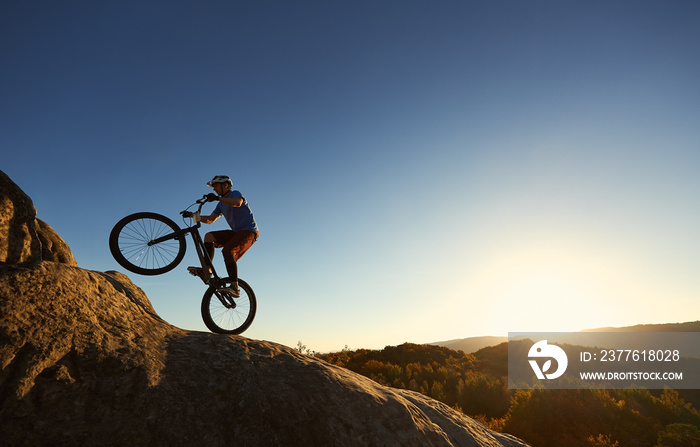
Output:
x,y
234,243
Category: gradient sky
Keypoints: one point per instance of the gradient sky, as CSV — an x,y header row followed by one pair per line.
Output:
x,y
420,170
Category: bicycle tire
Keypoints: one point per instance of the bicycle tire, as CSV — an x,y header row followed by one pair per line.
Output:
x,y
223,319
129,239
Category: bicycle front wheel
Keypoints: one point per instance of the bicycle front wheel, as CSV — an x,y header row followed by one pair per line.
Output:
x,y
131,244
224,314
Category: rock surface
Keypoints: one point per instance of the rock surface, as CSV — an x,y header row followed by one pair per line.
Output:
x,y
24,238
87,361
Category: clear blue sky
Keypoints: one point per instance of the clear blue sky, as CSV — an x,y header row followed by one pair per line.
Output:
x,y
419,170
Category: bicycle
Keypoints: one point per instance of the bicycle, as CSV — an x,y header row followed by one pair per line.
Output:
x,y
152,244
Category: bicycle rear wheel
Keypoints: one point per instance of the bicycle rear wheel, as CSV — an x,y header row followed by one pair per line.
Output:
x,y
224,314
130,244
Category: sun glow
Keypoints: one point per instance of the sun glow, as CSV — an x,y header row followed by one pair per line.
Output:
x,y
549,288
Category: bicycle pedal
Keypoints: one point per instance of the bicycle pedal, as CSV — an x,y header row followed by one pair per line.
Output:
x,y
198,272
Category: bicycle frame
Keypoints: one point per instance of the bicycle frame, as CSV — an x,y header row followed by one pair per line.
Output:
x,y
203,256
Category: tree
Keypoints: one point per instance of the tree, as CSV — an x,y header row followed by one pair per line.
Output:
x,y
679,435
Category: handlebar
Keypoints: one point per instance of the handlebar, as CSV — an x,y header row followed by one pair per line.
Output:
x,y
186,213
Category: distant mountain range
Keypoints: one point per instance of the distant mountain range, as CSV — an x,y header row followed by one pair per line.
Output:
x,y
691,326
473,344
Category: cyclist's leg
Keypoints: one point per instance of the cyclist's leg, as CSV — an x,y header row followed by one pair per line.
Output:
x,y
234,248
209,245
217,239
231,268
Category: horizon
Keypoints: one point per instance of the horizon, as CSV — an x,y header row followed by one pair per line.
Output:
x,y
419,172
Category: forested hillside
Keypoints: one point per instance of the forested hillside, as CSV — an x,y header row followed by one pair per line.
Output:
x,y
476,384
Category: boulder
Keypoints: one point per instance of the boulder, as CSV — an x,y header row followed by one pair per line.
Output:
x,y
24,237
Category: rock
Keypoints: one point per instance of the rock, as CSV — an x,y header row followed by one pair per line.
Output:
x,y
53,247
87,361
24,237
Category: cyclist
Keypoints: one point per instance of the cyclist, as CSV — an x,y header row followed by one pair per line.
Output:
x,y
234,242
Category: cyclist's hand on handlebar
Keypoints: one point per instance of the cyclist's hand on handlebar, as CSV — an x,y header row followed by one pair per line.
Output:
x,y
187,214
211,197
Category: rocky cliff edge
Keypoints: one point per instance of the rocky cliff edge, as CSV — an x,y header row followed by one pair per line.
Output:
x,y
87,361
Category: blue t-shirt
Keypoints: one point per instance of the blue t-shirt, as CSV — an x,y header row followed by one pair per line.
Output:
x,y
238,217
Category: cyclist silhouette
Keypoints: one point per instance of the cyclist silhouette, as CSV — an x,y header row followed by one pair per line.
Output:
x,y
234,242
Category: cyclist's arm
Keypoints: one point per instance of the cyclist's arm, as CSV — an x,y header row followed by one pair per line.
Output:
x,y
232,201
210,218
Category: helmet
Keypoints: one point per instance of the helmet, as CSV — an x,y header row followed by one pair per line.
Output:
x,y
220,179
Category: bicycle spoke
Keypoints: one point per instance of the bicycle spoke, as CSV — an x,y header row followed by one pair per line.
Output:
x,y
226,317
